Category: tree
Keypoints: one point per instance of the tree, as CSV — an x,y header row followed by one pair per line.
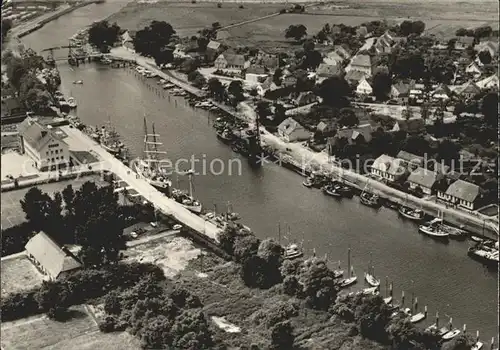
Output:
x,y
406,28
448,151
482,32
190,65
16,71
191,331
97,227
263,110
308,45
311,59
319,286
296,31
197,79
164,56
381,85
489,108
6,27
485,57
334,92
417,27
282,337
156,333
235,89
102,35
153,38
348,118
215,88
39,209
278,73
38,101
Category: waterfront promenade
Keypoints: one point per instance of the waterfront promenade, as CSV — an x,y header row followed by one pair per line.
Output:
x,y
160,201
476,224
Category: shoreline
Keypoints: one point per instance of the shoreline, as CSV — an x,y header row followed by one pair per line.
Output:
x,y
305,157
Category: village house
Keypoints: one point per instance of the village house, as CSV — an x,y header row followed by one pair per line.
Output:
x,y
410,160
361,63
333,59
43,146
462,194
388,168
305,98
411,126
291,131
364,87
49,258
342,52
400,90
424,179
354,77
326,71
441,93
473,70
490,82
214,48
463,42
362,32
468,90
229,61
353,135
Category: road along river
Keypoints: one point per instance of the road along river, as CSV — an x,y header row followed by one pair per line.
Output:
x,y
441,275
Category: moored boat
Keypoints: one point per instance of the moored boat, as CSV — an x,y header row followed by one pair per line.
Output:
x,y
225,136
371,280
346,282
411,214
370,199
72,102
451,334
434,230
307,183
331,191
418,317
292,251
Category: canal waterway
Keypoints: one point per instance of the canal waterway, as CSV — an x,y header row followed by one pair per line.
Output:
x,y
442,276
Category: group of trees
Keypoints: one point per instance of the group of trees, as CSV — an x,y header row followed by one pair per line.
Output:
x,y
479,32
411,27
153,41
296,32
102,35
6,27
22,74
89,217
161,319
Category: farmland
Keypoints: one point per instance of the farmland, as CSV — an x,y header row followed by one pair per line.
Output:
x,y
80,332
187,18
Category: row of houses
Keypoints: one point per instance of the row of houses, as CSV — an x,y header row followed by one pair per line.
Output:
x,y
437,181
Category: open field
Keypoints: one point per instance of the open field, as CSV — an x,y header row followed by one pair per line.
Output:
x,y
172,254
12,213
19,274
80,332
187,18
442,18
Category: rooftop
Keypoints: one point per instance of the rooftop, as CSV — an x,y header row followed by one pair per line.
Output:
x,y
464,190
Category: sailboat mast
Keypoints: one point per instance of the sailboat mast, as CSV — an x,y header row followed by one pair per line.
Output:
x,y
155,147
190,176
145,136
348,260
279,233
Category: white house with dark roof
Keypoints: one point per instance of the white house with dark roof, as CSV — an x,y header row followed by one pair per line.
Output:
x,y
441,93
388,168
399,90
229,61
462,194
49,257
361,63
291,131
473,69
44,147
424,179
364,87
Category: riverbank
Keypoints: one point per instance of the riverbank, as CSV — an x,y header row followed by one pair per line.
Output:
x,y
305,157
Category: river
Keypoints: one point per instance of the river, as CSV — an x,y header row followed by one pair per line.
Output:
x,y
440,275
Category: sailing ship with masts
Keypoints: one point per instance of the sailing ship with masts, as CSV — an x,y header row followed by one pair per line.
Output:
x,y
149,167
186,199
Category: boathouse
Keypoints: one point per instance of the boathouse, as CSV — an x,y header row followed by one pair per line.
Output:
x,y
49,258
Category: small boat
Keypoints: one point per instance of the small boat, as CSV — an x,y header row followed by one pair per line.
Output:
x,y
370,199
371,290
346,282
477,239
477,346
371,280
417,317
307,183
292,251
225,136
434,230
78,82
72,102
331,191
451,334
411,214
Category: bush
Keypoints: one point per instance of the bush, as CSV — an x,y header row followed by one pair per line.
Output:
x,y
108,325
58,313
219,5
241,7
15,238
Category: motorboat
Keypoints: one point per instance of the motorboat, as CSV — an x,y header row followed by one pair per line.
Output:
x,y
78,82
72,102
434,230
307,183
346,282
418,317
370,291
292,251
411,214
486,255
451,334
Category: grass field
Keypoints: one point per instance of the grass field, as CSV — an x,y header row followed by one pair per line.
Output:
x,y
12,213
19,274
80,332
442,18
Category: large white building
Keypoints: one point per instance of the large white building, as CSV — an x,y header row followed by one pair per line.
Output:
x,y
44,147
